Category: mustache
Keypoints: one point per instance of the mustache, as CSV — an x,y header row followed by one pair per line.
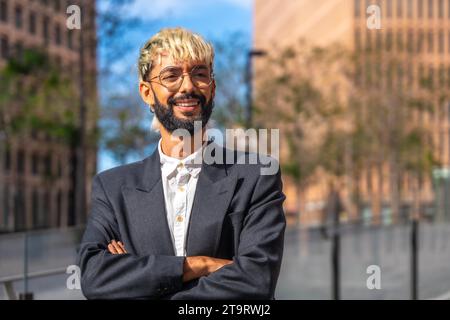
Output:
x,y
173,100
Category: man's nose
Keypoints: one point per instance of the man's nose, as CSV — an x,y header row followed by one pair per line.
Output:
x,y
186,84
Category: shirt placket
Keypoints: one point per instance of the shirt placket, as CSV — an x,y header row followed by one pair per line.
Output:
x,y
180,208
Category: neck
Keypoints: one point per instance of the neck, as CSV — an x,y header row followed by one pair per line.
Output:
x,y
180,147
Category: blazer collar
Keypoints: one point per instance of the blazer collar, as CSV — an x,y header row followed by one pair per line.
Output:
x,y
152,169
146,207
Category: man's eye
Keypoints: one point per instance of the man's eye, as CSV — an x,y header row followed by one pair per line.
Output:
x,y
170,77
200,74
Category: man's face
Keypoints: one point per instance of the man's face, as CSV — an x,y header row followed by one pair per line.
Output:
x,y
180,108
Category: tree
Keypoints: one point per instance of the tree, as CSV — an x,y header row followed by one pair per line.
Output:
x,y
36,97
124,133
342,114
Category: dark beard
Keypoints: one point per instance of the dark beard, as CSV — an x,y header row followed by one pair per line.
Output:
x,y
168,119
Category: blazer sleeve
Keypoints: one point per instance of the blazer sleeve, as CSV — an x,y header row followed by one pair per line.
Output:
x,y
256,266
121,276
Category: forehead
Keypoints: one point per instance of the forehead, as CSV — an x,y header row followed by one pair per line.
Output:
x,y
165,60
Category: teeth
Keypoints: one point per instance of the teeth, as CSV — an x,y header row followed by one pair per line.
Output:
x,y
188,104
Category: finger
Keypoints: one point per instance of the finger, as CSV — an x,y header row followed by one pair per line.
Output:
x,y
112,249
122,246
117,247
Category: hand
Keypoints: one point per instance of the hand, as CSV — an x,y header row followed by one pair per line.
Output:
x,y
116,247
215,264
199,266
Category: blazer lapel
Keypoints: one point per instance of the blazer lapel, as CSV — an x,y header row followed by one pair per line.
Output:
x,y
146,210
215,188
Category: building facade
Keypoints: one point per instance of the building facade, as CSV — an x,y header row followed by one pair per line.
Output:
x,y
419,27
37,171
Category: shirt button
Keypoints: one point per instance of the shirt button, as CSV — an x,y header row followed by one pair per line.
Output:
x,y
180,218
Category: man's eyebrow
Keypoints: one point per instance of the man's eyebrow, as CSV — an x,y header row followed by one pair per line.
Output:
x,y
200,66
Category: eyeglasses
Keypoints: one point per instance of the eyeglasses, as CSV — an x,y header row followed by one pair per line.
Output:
x,y
172,77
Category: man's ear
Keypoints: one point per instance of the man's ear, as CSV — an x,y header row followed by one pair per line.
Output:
x,y
146,93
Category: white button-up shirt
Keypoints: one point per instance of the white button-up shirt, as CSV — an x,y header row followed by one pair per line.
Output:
x,y
179,179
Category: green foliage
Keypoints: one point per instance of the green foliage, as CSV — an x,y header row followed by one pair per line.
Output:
x,y
34,97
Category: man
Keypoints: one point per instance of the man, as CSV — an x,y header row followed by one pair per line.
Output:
x,y
173,226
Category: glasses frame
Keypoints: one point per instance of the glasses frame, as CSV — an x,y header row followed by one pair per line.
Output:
x,y
182,76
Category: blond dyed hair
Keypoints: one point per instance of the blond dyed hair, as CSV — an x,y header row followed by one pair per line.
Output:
x,y
178,43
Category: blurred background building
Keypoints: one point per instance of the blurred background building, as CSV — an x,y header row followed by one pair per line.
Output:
x,y
38,169
414,32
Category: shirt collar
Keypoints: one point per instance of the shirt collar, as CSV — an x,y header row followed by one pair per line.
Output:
x,y
169,165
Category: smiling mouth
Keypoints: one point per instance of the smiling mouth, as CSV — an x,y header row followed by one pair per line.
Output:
x,y
187,105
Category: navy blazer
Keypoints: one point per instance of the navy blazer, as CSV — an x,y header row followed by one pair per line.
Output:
x,y
237,214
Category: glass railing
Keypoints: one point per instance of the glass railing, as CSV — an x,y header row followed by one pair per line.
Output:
x,y
40,263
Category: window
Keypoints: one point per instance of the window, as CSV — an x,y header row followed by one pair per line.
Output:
x,y
448,78
389,40
400,41
430,42
35,208
357,8
4,47
3,11
378,41
421,72
56,5
19,206
399,8
18,17
389,8
58,208
57,34
410,41
20,162
441,9
431,76
48,165
409,76
60,169
34,164
45,28
19,50
441,76
400,76
448,42
69,39
430,8
409,9
441,41
368,40
420,8
6,207
32,23
7,164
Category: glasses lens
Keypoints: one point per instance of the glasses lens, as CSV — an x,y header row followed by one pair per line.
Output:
x,y
201,77
171,78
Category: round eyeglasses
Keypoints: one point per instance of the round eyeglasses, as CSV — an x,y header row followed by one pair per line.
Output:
x,y
172,77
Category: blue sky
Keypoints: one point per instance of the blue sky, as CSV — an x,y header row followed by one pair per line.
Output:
x,y
211,18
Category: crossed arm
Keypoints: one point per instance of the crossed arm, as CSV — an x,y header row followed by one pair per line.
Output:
x,y
108,272
193,267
